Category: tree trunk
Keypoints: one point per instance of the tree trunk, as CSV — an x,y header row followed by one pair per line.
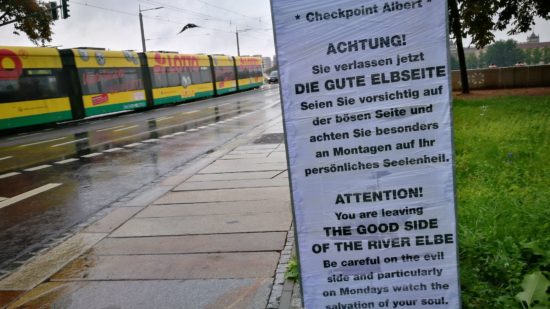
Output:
x,y
457,32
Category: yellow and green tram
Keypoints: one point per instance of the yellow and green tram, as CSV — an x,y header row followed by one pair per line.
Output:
x,y
33,87
178,78
109,81
249,72
47,85
225,77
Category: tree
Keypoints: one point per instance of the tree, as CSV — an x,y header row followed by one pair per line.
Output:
x,y
537,56
478,19
505,53
528,56
454,63
546,57
472,61
482,60
28,16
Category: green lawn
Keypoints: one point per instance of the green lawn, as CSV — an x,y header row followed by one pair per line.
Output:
x,y
503,184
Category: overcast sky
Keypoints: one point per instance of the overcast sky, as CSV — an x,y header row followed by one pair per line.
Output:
x,y
114,24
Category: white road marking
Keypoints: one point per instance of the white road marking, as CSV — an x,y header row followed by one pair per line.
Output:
x,y
212,124
127,128
153,140
91,155
164,118
167,136
26,195
191,112
66,161
37,168
193,130
3,198
5,158
43,142
201,127
113,149
133,145
107,129
225,104
180,133
23,135
9,175
71,142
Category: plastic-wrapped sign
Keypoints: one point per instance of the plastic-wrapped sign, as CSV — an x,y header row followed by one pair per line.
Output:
x,y
366,102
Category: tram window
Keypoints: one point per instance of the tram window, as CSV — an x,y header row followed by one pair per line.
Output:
x,y
89,79
110,80
131,80
244,73
174,78
224,73
160,80
196,76
206,75
33,84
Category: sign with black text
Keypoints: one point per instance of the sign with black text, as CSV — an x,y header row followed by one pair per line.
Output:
x,y
366,100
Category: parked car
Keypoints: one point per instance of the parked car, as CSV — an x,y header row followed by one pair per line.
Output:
x,y
273,77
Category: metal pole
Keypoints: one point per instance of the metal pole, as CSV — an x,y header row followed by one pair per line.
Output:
x,y
141,28
238,49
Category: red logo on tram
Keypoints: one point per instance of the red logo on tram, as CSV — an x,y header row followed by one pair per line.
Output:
x,y
10,72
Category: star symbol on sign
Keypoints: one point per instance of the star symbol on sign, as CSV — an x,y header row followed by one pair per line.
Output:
x,y
297,16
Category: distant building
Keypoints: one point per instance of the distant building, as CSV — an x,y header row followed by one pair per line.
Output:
x,y
274,60
533,42
533,38
467,50
266,63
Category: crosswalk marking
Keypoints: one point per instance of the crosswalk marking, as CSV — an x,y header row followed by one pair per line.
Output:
x,y
26,195
66,161
9,175
37,168
91,155
113,149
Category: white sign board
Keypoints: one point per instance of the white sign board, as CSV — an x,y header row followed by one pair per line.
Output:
x,y
366,99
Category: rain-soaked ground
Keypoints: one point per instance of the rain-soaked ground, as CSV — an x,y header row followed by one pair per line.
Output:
x,y
56,179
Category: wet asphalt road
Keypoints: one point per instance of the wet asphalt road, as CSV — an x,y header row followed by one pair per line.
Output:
x,y
53,180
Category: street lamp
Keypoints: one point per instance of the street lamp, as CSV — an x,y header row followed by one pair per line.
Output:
x,y
141,25
237,35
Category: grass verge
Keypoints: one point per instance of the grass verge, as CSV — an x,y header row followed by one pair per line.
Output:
x,y
502,170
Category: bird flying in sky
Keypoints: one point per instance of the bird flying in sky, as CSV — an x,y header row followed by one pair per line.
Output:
x,y
188,26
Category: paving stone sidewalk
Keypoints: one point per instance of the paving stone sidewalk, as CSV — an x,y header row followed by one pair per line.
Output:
x,y
217,235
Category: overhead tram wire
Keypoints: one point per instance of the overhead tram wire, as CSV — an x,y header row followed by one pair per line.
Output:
x,y
199,15
228,10
146,17
103,8
225,31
